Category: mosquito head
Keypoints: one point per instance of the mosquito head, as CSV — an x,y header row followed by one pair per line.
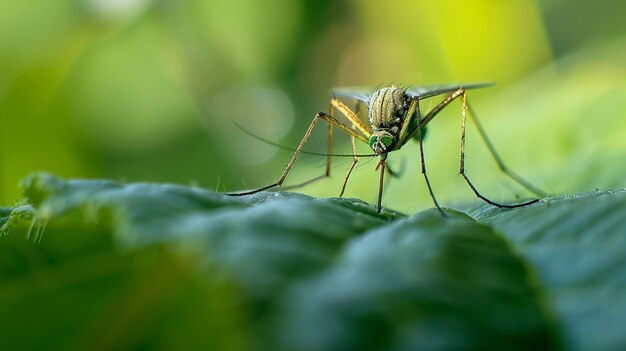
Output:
x,y
382,142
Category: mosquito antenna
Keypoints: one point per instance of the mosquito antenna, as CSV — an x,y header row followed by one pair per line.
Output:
x,y
289,148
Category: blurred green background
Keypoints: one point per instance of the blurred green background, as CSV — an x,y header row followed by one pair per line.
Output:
x,y
141,90
148,90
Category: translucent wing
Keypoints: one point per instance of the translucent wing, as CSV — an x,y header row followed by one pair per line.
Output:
x,y
426,91
357,93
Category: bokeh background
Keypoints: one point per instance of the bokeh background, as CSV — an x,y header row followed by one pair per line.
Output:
x,y
147,90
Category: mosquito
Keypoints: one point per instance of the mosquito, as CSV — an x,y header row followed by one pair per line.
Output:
x,y
395,118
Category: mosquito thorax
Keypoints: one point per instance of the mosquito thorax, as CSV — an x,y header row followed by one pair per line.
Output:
x,y
387,109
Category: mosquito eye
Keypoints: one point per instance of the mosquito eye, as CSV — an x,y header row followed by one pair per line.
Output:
x,y
373,139
387,140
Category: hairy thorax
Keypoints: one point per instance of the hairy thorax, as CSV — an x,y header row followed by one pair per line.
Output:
x,y
387,109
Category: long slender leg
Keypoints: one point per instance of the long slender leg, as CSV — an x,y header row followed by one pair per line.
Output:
x,y
435,111
462,163
330,143
354,162
328,162
352,116
439,108
355,115
521,181
329,157
422,161
321,115
404,131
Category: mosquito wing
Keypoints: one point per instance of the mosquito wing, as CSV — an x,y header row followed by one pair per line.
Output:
x,y
360,94
426,91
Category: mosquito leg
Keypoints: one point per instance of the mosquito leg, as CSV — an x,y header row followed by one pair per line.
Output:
x,y
352,117
462,162
354,162
331,120
422,161
329,157
466,107
280,180
521,181
328,160
330,145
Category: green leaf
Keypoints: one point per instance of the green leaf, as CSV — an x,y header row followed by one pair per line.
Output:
x,y
575,244
423,283
296,272
282,235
